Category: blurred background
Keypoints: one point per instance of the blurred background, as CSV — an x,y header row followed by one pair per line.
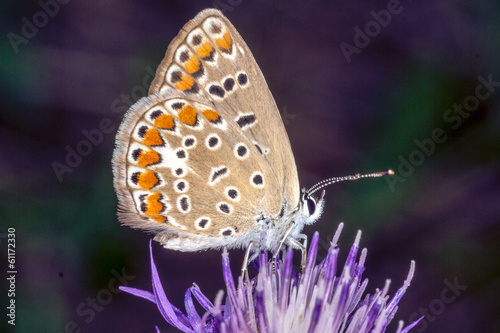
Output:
x,y
417,91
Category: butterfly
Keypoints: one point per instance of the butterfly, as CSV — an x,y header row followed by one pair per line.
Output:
x,y
204,161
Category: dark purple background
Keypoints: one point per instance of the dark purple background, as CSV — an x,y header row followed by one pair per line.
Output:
x,y
361,116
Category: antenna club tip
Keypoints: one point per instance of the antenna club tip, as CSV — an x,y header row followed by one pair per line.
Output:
x,y
389,172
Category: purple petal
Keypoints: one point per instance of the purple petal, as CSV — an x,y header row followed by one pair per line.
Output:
x,y
313,250
318,305
235,312
409,327
329,272
402,290
217,306
351,257
228,277
193,316
139,292
202,299
166,308
260,307
286,279
336,237
305,279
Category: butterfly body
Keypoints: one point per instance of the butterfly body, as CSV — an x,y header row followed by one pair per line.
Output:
x,y
204,160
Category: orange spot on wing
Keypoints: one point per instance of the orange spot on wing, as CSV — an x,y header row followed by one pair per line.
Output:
x,y
188,115
211,115
186,82
225,42
147,158
159,218
153,138
193,65
165,121
147,179
154,206
205,50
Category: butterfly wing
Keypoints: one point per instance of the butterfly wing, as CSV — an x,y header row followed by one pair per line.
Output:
x,y
210,51
205,157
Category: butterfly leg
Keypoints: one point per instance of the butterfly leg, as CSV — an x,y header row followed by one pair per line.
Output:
x,y
303,248
248,259
282,241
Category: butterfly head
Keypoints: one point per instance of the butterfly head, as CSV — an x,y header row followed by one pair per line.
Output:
x,y
311,207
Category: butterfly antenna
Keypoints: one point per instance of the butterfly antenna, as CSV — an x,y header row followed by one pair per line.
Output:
x,y
326,182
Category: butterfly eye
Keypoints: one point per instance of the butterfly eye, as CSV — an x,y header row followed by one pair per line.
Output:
x,y
311,205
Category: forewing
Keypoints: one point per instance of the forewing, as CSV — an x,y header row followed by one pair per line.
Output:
x,y
209,58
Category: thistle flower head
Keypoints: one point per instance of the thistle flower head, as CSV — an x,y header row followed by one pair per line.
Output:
x,y
278,300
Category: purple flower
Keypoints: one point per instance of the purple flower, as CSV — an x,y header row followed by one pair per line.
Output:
x,y
317,300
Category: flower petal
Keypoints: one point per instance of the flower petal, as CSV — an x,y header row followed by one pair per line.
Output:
x,y
139,292
167,310
202,299
193,316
